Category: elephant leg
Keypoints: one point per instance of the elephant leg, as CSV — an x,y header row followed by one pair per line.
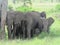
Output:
x,y
23,33
17,31
25,23
37,32
14,31
40,26
39,29
32,33
9,32
29,31
23,28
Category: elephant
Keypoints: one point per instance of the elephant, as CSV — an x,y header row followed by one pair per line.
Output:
x,y
13,18
33,21
9,22
43,17
18,18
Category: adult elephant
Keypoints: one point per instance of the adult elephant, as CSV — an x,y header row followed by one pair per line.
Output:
x,y
9,21
33,21
43,17
13,18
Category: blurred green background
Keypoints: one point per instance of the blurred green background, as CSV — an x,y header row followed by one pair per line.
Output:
x,y
52,9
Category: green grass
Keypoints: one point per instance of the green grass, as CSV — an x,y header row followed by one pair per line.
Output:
x,y
53,38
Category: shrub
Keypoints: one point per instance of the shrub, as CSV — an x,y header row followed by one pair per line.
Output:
x,y
24,9
10,7
57,7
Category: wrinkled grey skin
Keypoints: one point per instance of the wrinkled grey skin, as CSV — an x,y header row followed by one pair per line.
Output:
x,y
13,18
33,19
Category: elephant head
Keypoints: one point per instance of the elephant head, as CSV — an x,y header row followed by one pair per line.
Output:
x,y
43,14
47,23
50,21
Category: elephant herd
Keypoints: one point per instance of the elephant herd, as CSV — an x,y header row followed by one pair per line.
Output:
x,y
27,24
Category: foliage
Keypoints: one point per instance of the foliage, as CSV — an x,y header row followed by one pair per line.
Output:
x,y
57,7
24,8
10,7
53,38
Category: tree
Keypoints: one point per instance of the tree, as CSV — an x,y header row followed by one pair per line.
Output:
x,y
27,2
3,18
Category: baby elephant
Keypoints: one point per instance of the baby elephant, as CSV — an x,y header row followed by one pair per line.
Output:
x,y
47,23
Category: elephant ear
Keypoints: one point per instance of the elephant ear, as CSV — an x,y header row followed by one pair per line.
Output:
x,y
45,24
50,21
43,14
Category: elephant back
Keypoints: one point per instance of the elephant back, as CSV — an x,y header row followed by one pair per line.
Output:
x,y
19,16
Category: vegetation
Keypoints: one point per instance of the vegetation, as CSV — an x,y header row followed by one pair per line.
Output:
x,y
53,38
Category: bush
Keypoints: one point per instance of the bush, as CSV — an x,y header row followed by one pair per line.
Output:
x,y
57,7
24,9
10,7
